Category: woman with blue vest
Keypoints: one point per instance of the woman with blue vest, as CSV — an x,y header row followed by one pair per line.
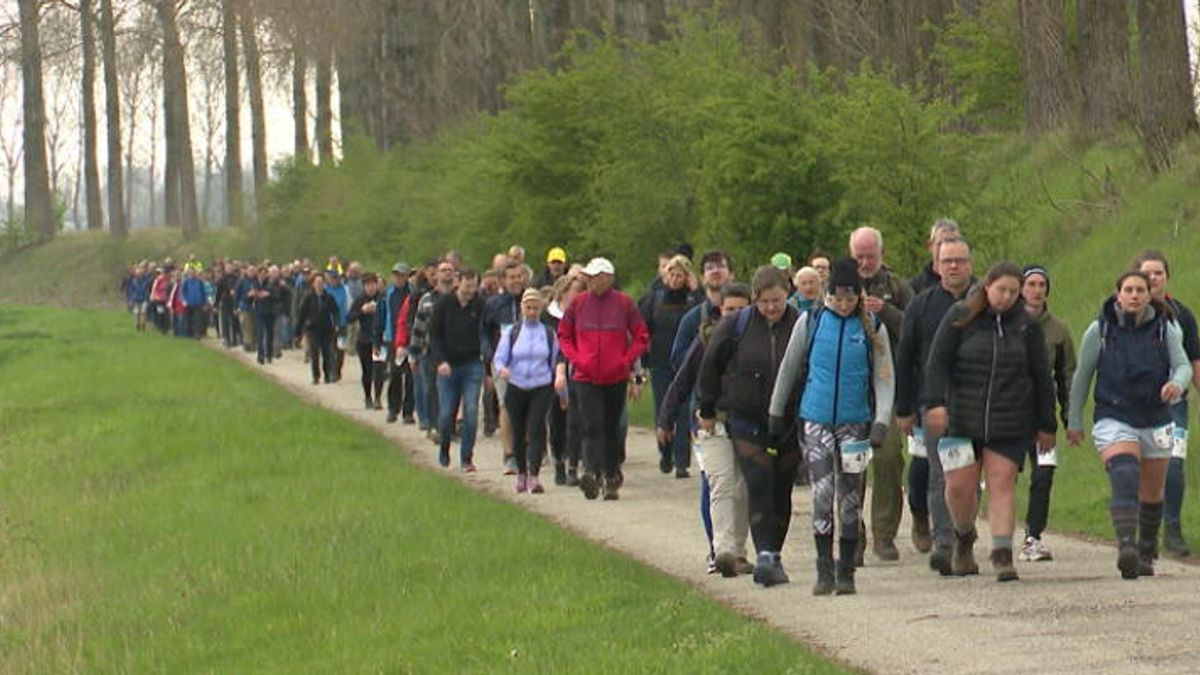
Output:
x,y
989,398
526,356
842,360
1134,349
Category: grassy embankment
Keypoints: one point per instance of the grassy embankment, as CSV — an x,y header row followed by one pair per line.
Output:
x,y
165,510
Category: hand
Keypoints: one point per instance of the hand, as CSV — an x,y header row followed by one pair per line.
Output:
x,y
560,384
664,435
775,426
905,425
873,304
708,424
1074,437
1171,392
879,433
936,420
368,308
443,369
1045,442
635,390
503,373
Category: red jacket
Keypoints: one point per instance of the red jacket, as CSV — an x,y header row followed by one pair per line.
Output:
x,y
602,335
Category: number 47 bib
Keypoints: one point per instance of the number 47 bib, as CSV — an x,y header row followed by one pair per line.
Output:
x,y
955,453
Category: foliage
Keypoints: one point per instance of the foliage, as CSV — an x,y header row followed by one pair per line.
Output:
x,y
140,536
980,53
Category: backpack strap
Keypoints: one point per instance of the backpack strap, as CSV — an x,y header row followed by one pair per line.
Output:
x,y
741,321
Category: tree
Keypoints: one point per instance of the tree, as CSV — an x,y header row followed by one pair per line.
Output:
x,y
112,112
181,174
324,125
10,141
258,125
1167,105
233,124
1044,64
91,169
300,96
1104,75
39,212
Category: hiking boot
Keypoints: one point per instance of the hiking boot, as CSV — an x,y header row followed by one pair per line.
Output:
x,y
824,583
378,404
572,477
522,483
590,485
963,562
1002,563
1127,561
922,539
535,486
391,417
743,566
560,473
885,550
611,485
370,404
1035,551
665,464
844,581
444,456
617,479
1173,542
682,472
1147,552
939,560
768,570
408,419
726,563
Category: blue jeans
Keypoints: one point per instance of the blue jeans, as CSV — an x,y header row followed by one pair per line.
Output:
x,y
264,327
678,451
461,385
1173,500
420,388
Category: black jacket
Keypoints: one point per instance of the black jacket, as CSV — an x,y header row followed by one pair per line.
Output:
x,y
455,330
921,321
737,374
318,313
925,279
662,311
366,322
992,375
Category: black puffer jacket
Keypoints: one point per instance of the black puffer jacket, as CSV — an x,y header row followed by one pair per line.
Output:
x,y
992,375
737,374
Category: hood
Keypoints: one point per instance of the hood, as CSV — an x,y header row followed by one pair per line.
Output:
x,y
1112,314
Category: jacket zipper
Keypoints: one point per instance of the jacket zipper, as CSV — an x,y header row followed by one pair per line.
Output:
x,y
837,369
987,406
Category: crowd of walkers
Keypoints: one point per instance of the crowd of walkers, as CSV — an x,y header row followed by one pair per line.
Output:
x,y
810,374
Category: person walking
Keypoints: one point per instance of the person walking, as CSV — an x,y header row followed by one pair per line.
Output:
x,y
933,529
1156,268
737,376
1060,354
394,330
1134,351
457,352
987,386
366,311
941,230
318,322
564,435
335,288
419,348
502,311
245,305
526,355
839,364
266,311
602,334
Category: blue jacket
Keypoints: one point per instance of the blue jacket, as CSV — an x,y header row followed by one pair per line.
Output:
x,y
138,289
342,297
241,294
837,390
393,300
688,329
1134,363
192,292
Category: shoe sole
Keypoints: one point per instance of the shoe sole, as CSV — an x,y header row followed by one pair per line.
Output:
x,y
845,591
589,487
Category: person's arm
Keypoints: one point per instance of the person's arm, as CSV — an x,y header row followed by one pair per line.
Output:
x,y
682,386
685,333
942,353
646,309
566,333
437,347
487,324
905,371
503,351
712,367
1181,367
638,332
1043,383
1085,369
791,368
884,379
1064,372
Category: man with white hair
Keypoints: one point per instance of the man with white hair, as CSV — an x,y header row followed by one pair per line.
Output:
x,y
886,297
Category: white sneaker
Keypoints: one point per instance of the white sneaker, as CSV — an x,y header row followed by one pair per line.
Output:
x,y
1035,551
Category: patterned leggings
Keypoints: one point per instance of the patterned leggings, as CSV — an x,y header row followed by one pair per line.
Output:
x,y
822,449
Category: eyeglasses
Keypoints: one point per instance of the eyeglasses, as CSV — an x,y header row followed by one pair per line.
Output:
x,y
715,267
954,261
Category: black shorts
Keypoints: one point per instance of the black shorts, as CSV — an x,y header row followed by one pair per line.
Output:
x,y
1014,450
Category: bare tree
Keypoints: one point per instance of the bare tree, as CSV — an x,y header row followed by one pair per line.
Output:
x,y
1044,64
258,125
324,122
180,176
10,139
300,95
233,126
112,109
1167,104
91,168
39,212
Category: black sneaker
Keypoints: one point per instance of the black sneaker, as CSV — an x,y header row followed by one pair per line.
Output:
x,y
444,456
939,560
1128,561
824,583
1173,542
370,404
612,485
844,583
590,485
391,417
408,419
665,464
560,473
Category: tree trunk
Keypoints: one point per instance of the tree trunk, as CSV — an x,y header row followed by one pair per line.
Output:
x,y
258,126
91,168
134,81
39,211
300,101
179,134
1044,64
324,128
1167,102
1104,75
233,126
171,216
112,108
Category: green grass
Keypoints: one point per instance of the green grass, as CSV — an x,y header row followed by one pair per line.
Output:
x,y
163,509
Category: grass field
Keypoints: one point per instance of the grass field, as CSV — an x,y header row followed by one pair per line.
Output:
x,y
163,509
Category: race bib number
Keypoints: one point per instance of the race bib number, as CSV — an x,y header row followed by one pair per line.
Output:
x,y
956,453
1049,458
1179,442
380,356
1164,437
341,343
855,456
916,443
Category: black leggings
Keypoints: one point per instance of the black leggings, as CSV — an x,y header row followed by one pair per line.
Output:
x,y
600,409
372,370
320,354
400,390
769,481
527,424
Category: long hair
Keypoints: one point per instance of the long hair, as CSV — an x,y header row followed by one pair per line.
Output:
x,y
877,342
977,304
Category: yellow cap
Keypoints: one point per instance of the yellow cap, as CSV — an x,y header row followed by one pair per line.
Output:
x,y
556,254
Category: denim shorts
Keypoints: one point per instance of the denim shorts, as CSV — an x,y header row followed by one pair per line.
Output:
x,y
1155,442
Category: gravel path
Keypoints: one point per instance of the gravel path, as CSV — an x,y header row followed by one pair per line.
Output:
x,y
1068,616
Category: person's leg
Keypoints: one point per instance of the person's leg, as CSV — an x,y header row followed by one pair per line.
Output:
x,y
394,390
420,401
378,379
313,343
1041,480
433,404
761,476
590,412
472,380
535,424
660,380
329,356
1176,484
848,494
448,396
407,404
962,500
918,503
942,525
727,503
518,402
1122,461
887,496
556,423
1150,509
491,409
366,363
1001,475
614,410
269,337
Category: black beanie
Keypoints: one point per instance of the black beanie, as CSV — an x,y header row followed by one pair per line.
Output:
x,y
1037,269
843,278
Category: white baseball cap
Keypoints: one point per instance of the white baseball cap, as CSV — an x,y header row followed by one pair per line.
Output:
x,y
599,266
